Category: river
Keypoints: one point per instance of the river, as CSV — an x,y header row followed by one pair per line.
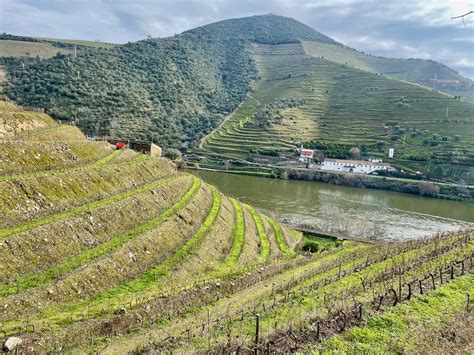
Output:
x,y
348,211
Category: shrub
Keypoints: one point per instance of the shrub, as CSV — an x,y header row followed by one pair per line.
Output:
x,y
310,246
428,189
172,153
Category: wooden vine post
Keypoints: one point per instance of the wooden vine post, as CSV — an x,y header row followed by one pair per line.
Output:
x,y
257,331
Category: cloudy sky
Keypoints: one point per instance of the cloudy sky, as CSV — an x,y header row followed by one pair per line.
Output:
x,y
394,28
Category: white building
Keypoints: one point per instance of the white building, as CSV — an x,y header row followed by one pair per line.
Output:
x,y
354,166
306,155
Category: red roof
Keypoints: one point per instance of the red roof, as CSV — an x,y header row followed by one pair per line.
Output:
x,y
306,153
120,145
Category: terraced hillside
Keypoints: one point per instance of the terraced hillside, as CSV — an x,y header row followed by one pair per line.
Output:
x,y
425,72
113,251
85,227
302,99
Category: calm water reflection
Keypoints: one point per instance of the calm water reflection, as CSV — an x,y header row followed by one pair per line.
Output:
x,y
385,214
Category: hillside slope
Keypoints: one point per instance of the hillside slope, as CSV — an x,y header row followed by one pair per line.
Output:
x,y
176,90
301,99
425,72
113,251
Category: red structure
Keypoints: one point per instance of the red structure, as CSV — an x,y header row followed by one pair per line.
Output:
x,y
120,145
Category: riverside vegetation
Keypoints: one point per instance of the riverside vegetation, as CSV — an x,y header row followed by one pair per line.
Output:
x,y
112,251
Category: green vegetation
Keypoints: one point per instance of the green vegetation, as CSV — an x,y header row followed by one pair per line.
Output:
x,y
264,241
398,329
282,245
28,281
23,49
239,234
341,108
314,244
78,42
4,233
425,72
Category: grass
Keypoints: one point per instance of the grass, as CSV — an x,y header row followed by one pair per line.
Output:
x,y
412,70
264,241
11,48
398,330
6,232
287,252
239,235
79,42
87,256
92,166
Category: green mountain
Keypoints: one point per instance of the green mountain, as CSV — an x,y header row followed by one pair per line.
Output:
x,y
425,72
303,99
171,90
304,88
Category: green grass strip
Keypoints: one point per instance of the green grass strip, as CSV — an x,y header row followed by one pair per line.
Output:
x,y
95,165
114,243
77,210
395,331
264,241
287,252
239,235
43,131
149,278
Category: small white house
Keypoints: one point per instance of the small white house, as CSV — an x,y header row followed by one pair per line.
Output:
x,y
354,166
306,155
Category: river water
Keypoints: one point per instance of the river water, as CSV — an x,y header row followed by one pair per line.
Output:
x,y
346,211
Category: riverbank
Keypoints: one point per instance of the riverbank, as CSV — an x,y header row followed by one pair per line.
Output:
x,y
343,211
438,190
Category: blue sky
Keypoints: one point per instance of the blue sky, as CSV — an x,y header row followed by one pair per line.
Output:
x,y
403,28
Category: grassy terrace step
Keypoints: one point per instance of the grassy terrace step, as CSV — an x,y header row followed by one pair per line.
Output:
x,y
35,197
264,241
6,232
239,235
91,166
147,281
304,308
282,245
398,329
87,256
25,156
40,132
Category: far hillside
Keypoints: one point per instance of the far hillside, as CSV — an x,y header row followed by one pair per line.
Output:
x,y
313,101
425,72
24,47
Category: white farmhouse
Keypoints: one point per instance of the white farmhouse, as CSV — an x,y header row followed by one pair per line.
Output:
x,y
354,166
306,155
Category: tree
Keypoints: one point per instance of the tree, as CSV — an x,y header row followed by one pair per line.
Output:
x,y
172,153
428,189
355,153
